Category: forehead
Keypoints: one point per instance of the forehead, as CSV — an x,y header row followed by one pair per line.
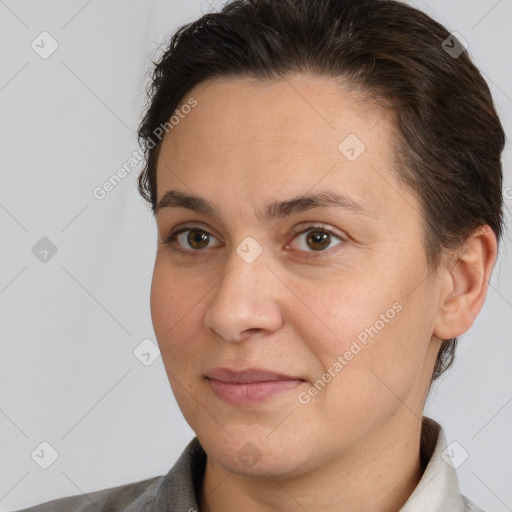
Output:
x,y
315,111
280,137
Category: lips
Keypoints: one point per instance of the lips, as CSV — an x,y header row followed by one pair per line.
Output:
x,y
250,375
249,386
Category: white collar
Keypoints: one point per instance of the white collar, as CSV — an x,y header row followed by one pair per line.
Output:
x,y
438,490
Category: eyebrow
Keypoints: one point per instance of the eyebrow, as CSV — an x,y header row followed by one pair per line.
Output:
x,y
274,210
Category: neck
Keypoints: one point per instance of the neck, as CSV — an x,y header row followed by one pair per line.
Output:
x,y
379,475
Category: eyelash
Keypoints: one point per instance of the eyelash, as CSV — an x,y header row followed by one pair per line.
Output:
x,y
171,240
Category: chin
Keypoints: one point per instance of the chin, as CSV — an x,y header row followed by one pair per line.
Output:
x,y
253,452
252,461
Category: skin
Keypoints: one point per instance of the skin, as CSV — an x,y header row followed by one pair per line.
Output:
x,y
294,310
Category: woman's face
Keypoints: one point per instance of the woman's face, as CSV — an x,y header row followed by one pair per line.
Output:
x,y
300,260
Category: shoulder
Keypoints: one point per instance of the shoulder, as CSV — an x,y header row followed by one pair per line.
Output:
x,y
131,497
177,490
469,506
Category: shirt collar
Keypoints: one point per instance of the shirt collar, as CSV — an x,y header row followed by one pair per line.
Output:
x,y
437,490
179,489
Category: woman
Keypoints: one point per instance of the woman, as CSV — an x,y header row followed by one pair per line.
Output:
x,y
326,182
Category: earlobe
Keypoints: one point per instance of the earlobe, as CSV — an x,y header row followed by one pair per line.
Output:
x,y
467,283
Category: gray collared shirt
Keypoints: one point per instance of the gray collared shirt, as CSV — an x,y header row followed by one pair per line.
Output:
x,y
437,491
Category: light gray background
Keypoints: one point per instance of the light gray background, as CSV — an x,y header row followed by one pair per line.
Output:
x,y
68,327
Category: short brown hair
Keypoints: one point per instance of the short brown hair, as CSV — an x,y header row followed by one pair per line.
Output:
x,y
449,136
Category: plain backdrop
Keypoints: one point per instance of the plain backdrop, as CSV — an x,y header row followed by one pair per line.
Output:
x,y
76,271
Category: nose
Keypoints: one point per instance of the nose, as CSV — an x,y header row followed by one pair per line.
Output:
x,y
246,300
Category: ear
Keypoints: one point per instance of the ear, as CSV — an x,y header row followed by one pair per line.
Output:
x,y
466,282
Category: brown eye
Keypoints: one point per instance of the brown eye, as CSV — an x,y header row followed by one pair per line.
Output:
x,y
318,240
191,240
197,239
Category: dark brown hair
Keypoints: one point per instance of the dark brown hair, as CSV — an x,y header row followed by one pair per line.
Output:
x,y
449,137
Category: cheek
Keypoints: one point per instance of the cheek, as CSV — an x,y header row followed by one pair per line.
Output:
x,y
340,313
175,309
361,332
